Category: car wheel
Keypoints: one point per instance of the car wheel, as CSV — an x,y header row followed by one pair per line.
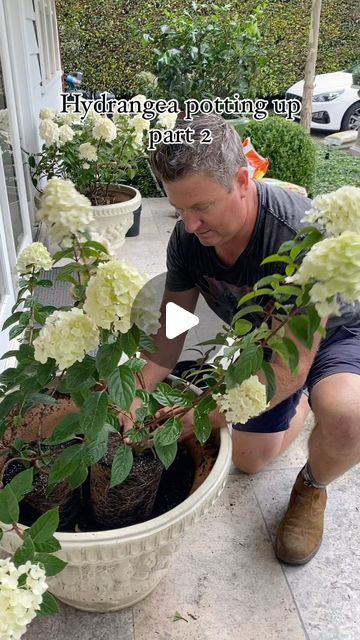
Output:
x,y
351,119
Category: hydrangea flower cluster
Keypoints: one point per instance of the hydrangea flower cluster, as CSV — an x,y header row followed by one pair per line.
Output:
x,y
34,256
19,605
335,265
66,336
110,295
104,129
337,211
244,401
65,211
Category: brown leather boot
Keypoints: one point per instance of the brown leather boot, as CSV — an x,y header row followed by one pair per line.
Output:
x,y
300,531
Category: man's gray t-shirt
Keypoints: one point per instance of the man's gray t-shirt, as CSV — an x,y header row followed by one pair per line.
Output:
x,y
190,264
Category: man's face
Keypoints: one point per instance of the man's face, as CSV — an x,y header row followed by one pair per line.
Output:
x,y
207,209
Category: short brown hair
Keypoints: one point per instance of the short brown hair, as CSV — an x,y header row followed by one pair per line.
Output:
x,y
219,160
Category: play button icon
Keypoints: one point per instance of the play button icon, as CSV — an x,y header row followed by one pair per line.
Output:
x,y
178,320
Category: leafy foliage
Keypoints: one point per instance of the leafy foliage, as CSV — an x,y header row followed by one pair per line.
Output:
x,y
288,147
94,37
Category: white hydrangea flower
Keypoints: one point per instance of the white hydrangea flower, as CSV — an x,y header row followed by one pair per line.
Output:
x,y
337,211
139,123
167,120
47,113
35,255
244,401
64,210
110,295
104,129
66,133
139,98
49,131
66,337
70,117
87,151
335,265
19,605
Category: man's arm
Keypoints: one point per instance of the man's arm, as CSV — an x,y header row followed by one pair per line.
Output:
x,y
286,383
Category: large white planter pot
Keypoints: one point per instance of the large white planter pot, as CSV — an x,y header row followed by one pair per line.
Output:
x,y
111,570
112,221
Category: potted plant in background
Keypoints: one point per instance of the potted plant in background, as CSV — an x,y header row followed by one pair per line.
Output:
x,y
74,452
100,156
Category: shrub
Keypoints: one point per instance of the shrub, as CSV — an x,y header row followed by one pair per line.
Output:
x,y
94,37
288,147
206,52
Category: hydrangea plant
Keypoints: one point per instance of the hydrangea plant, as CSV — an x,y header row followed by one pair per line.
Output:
x,y
92,352
92,150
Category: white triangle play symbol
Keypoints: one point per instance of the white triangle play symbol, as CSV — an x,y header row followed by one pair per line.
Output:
x,y
178,320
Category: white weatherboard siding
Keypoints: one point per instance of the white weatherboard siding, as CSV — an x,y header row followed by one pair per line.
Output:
x,y
30,79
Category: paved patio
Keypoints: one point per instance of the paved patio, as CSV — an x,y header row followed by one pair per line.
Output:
x,y
225,582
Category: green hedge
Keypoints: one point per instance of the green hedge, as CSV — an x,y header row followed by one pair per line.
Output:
x,y
288,147
95,37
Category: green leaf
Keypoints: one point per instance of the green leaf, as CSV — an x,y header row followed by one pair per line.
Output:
x,y
288,290
250,308
107,359
25,552
121,387
79,372
16,331
93,414
248,363
49,546
287,350
9,507
39,398
269,380
255,294
65,464
51,564
146,343
95,450
78,477
275,257
130,341
65,429
45,283
44,527
49,605
136,364
11,320
314,319
122,465
299,326
166,453
206,405
169,397
242,327
22,483
169,432
202,426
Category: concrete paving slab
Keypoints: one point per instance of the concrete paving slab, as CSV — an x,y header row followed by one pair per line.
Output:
x,y
72,624
224,582
327,589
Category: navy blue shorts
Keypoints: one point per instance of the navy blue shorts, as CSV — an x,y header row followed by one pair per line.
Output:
x,y
340,353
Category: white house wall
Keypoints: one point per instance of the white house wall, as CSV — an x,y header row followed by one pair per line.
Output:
x,y
31,93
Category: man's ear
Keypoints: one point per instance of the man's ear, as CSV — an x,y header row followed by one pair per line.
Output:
x,y
242,180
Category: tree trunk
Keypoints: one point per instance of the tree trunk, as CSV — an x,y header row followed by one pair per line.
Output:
x,y
306,109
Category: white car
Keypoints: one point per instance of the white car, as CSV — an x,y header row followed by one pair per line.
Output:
x,y
335,104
